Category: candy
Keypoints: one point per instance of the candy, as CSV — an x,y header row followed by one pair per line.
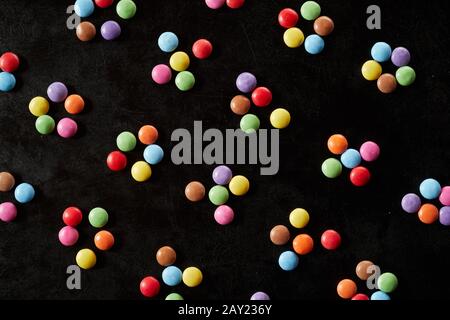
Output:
x,y
369,151
380,295
299,218
288,261
166,256
153,154
360,296
387,282
240,105
381,51
57,92
331,240
86,31
249,123
98,217
331,168
351,158
310,10
179,61
141,171
194,191
86,259
224,215
246,82
222,175
202,49
346,288
239,185
38,106
218,195
430,189
262,296
168,41
9,62
323,26
235,4
149,287
192,277
126,141
303,244
72,216
215,4
444,198
45,124
126,9
174,296
8,211
84,8
110,30
387,83
371,70
261,97
7,181
185,81
411,203
360,176
116,161
400,57
444,216
405,76
293,37
280,118
314,44
428,213
74,104
172,276
7,81
148,134
287,18
161,74
337,144
362,269
280,235
104,3
104,240
24,193
68,236
67,128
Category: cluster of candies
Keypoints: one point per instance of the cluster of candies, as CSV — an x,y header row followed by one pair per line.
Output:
x,y
302,243
293,37
45,124
9,62
68,235
386,82
126,142
351,159
110,30
261,97
179,61
386,283
428,213
171,275
217,4
23,193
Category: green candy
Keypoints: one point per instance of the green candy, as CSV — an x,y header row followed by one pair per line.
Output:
x,y
126,9
405,76
249,123
174,296
45,124
185,81
387,282
126,141
331,168
98,217
310,10
218,195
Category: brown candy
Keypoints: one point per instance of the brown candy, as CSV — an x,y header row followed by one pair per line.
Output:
x,y
7,181
280,235
361,269
387,83
166,256
323,26
86,31
240,105
195,191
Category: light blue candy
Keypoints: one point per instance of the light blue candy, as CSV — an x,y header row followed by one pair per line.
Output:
x,y
168,41
84,8
430,189
153,154
380,295
24,193
288,261
7,81
172,276
351,158
381,52
314,44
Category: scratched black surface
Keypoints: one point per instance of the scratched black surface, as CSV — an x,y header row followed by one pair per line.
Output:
x,y
325,94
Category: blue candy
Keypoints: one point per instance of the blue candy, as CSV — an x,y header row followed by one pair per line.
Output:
x,y
7,81
351,158
153,154
24,193
172,276
381,51
430,189
288,261
84,8
314,44
168,41
380,295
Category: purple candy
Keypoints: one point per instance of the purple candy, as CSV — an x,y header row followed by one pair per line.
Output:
x,y
444,216
400,57
57,92
411,203
222,175
260,296
246,82
110,30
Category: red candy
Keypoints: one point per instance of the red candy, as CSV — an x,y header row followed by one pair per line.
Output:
x,y
360,176
330,240
287,18
104,3
235,4
149,287
202,49
116,161
261,97
72,216
360,296
9,62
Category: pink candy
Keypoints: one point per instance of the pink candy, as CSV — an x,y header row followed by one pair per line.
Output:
x,y
67,128
8,211
224,215
369,151
161,74
444,198
215,4
68,236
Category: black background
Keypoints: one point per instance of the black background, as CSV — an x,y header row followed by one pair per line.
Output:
x,y
325,94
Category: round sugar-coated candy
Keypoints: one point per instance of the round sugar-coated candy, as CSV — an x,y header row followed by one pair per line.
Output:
x,y
246,82
360,176
141,171
240,105
86,259
153,154
444,197
400,57
166,256
110,30
299,218
262,296
331,168
192,277
314,44
172,276
337,144
202,49
310,10
330,239
249,123
104,240
360,296
381,51
380,295
86,31
387,83
444,216
371,70
72,216
185,81
405,76
280,118
293,37
148,134
215,4
323,26
303,244
84,8
24,193
38,106
218,195
346,288
7,181
195,191
161,74
8,211
387,282
288,18
67,128
74,104
7,81
430,189
68,236
9,62
45,124
98,217
168,41
428,213
351,158
104,3
280,235
57,92
370,151
174,296
179,61
222,175
116,161
288,260
149,287
126,9
411,203
126,141
362,269
235,4
239,185
224,215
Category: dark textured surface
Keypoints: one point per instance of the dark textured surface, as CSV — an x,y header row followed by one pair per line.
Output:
x,y
325,94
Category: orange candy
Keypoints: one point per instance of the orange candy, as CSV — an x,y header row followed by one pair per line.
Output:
x,y
428,213
74,104
148,134
104,240
346,288
337,144
303,244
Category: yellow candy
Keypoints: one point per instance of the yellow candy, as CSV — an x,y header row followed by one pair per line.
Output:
x,y
299,218
192,276
179,61
280,118
293,37
39,106
239,185
371,70
141,171
86,259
